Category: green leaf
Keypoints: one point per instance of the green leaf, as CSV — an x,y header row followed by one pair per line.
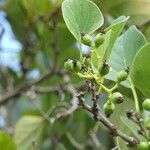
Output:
x,y
124,51
132,126
6,143
27,131
81,16
140,72
112,33
116,27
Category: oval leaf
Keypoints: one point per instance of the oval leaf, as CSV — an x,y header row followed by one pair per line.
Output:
x,y
124,51
140,73
28,131
112,34
81,16
116,27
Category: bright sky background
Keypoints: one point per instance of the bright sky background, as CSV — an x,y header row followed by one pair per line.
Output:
x,y
9,46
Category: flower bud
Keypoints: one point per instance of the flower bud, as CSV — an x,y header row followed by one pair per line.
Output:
x,y
146,104
109,108
87,40
122,75
117,98
104,69
143,146
69,65
99,39
76,66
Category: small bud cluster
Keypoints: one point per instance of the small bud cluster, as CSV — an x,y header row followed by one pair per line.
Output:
x,y
85,69
87,40
73,65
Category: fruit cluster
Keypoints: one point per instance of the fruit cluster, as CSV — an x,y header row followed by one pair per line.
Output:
x,y
84,69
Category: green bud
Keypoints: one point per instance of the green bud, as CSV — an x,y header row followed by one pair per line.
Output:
x,y
76,66
122,75
73,65
69,65
104,69
109,108
146,104
117,98
99,39
87,40
143,146
147,123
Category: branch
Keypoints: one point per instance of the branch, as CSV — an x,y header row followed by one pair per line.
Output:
x,y
6,97
113,129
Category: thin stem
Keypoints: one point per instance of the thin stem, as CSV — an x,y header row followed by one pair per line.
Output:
x,y
81,56
105,89
117,141
137,108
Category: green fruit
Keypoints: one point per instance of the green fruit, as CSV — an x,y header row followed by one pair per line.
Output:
x,y
117,98
143,146
104,69
109,108
69,65
146,104
76,66
73,65
147,123
99,39
87,40
122,75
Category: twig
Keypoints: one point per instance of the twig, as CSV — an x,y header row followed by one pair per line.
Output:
x,y
74,142
113,129
10,95
94,100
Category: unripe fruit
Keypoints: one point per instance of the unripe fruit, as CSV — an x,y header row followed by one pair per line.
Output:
x,y
76,66
109,108
117,98
122,75
69,65
104,69
146,104
73,65
99,39
87,40
147,123
143,146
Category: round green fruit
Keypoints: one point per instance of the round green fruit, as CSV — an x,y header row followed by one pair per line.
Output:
x,y
146,104
76,66
69,65
143,146
99,39
147,123
104,69
117,98
122,75
87,40
109,108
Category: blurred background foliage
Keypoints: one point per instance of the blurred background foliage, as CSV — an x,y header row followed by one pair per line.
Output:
x,y
45,42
